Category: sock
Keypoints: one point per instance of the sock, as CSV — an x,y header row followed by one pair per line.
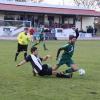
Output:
x,y
44,46
35,44
25,54
70,70
60,75
16,56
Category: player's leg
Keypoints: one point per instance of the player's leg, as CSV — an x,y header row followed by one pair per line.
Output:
x,y
25,50
73,67
36,44
44,45
48,71
59,63
18,51
34,72
16,55
61,74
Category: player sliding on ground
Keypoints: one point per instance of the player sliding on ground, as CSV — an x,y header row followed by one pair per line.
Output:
x,y
66,57
38,67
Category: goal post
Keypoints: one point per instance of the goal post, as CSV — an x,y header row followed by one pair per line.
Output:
x,y
13,27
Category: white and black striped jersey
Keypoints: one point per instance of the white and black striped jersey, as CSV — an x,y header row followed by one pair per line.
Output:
x,y
36,62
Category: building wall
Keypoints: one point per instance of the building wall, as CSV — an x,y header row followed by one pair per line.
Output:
x,y
78,25
46,19
56,19
87,21
1,16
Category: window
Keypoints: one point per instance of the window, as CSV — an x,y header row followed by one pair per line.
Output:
x,y
20,0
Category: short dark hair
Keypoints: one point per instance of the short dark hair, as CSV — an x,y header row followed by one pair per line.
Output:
x,y
71,37
33,49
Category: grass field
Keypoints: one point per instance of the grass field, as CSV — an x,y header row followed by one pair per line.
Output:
x,y
20,84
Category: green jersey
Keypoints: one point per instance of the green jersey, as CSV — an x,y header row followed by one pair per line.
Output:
x,y
66,55
41,36
68,51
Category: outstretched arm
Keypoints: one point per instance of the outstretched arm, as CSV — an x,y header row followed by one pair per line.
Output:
x,y
21,63
46,57
77,33
58,52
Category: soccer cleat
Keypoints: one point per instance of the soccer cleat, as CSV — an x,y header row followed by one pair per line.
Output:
x,y
61,75
45,49
15,58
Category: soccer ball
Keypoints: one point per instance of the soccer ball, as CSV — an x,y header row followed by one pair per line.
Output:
x,y
81,72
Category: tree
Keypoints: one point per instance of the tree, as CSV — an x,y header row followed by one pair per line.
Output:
x,y
92,4
98,3
37,1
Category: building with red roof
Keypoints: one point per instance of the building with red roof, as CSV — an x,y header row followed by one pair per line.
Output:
x,y
48,15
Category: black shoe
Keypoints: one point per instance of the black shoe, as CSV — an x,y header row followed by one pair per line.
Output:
x,y
68,75
15,59
45,49
71,75
61,75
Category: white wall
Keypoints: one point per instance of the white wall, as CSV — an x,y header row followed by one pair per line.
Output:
x,y
78,25
46,19
56,19
87,21
1,16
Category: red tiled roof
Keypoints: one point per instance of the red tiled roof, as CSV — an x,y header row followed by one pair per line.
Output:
x,y
51,10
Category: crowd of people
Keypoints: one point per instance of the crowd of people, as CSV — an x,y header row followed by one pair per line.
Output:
x,y
92,30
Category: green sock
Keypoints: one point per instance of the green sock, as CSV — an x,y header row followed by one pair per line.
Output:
x,y
44,46
35,44
70,70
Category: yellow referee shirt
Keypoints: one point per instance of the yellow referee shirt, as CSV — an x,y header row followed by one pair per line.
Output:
x,y
23,39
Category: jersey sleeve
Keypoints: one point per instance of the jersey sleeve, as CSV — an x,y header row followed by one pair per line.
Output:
x,y
28,58
64,47
60,49
41,58
77,33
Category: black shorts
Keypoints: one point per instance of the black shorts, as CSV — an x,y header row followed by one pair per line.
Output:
x,y
22,47
46,70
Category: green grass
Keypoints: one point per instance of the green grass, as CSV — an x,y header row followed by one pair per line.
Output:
x,y
19,84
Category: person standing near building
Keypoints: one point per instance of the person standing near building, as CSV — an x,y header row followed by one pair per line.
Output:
x,y
23,40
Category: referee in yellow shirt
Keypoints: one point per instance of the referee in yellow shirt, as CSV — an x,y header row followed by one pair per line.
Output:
x,y
23,40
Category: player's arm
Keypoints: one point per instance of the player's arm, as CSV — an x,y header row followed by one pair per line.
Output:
x,y
27,59
21,63
46,57
58,52
29,38
77,33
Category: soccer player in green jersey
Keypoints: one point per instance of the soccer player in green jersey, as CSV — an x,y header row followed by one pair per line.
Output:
x,y
66,57
41,39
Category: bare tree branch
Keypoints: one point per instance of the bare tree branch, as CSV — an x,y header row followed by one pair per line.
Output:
x,y
37,1
92,4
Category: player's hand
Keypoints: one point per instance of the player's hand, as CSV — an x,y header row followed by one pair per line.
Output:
x,y
17,65
56,58
48,56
